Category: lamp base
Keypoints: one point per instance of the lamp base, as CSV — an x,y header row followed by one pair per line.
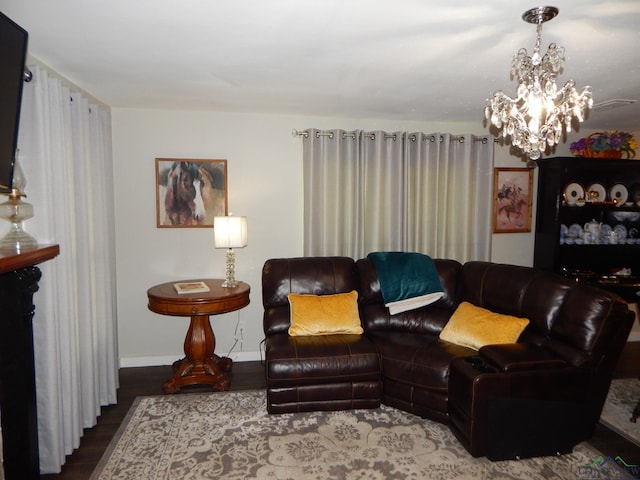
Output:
x,y
230,280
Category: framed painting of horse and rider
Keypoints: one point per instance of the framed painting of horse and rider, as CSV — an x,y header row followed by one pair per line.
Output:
x,y
190,192
512,199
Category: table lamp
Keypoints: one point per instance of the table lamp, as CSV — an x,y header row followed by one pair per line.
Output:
x,y
230,233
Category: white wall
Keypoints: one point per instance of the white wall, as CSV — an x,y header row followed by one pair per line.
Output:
x,y
264,183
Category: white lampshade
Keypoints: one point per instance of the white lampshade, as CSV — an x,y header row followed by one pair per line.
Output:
x,y
230,232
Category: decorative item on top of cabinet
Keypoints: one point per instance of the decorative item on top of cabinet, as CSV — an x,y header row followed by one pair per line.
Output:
x,y
588,221
610,144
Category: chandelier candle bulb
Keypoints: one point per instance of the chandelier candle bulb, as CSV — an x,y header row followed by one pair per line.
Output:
x,y
535,119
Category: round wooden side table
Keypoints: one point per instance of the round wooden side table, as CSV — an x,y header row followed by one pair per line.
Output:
x,y
200,364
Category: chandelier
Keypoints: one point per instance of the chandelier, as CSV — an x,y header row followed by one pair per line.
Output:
x,y
536,117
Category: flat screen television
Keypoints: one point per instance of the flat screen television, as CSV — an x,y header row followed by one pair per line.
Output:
x,y
13,53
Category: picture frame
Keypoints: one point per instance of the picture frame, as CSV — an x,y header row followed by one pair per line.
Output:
x,y
190,192
512,200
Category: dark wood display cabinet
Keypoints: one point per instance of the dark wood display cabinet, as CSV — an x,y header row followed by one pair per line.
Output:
x,y
588,221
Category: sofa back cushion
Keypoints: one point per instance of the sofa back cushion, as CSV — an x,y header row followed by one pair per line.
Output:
x,y
514,290
578,322
430,319
303,275
593,320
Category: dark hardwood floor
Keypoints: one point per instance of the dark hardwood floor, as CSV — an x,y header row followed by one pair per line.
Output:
x,y
136,382
250,375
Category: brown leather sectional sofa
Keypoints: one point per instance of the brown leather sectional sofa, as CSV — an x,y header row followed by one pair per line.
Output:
x,y
539,396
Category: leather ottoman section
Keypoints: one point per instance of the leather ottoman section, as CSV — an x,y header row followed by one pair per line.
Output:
x,y
415,371
320,359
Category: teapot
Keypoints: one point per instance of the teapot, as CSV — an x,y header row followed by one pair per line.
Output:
x,y
593,227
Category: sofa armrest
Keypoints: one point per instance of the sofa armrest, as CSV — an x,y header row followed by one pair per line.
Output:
x,y
522,413
516,357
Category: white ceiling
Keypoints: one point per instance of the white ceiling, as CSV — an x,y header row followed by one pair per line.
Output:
x,y
396,59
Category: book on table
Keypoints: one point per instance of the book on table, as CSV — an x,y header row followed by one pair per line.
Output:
x,y
190,287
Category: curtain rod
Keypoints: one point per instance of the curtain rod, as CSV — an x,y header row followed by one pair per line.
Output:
x,y
372,136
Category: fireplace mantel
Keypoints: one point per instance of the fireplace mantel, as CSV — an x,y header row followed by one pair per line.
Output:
x,y
19,278
10,261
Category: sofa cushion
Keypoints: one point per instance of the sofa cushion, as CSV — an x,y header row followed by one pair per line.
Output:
x,y
475,327
324,314
320,359
421,361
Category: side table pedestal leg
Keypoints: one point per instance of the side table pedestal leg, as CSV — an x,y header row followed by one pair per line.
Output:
x,y
200,365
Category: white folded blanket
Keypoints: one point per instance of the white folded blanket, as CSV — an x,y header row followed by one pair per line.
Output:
x,y
400,306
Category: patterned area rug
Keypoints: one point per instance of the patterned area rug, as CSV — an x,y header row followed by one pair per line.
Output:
x,y
230,435
624,395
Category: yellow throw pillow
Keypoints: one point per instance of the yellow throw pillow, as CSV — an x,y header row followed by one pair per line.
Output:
x,y
475,327
324,314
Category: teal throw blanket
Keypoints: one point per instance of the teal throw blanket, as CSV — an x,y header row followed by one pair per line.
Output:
x,y
406,275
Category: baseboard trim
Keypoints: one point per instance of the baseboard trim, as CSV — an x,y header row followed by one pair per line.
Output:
x,y
154,361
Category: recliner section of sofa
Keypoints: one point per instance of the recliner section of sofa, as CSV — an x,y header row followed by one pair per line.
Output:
x,y
540,396
324,372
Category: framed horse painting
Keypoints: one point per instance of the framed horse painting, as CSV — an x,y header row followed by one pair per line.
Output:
x,y
512,200
189,192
